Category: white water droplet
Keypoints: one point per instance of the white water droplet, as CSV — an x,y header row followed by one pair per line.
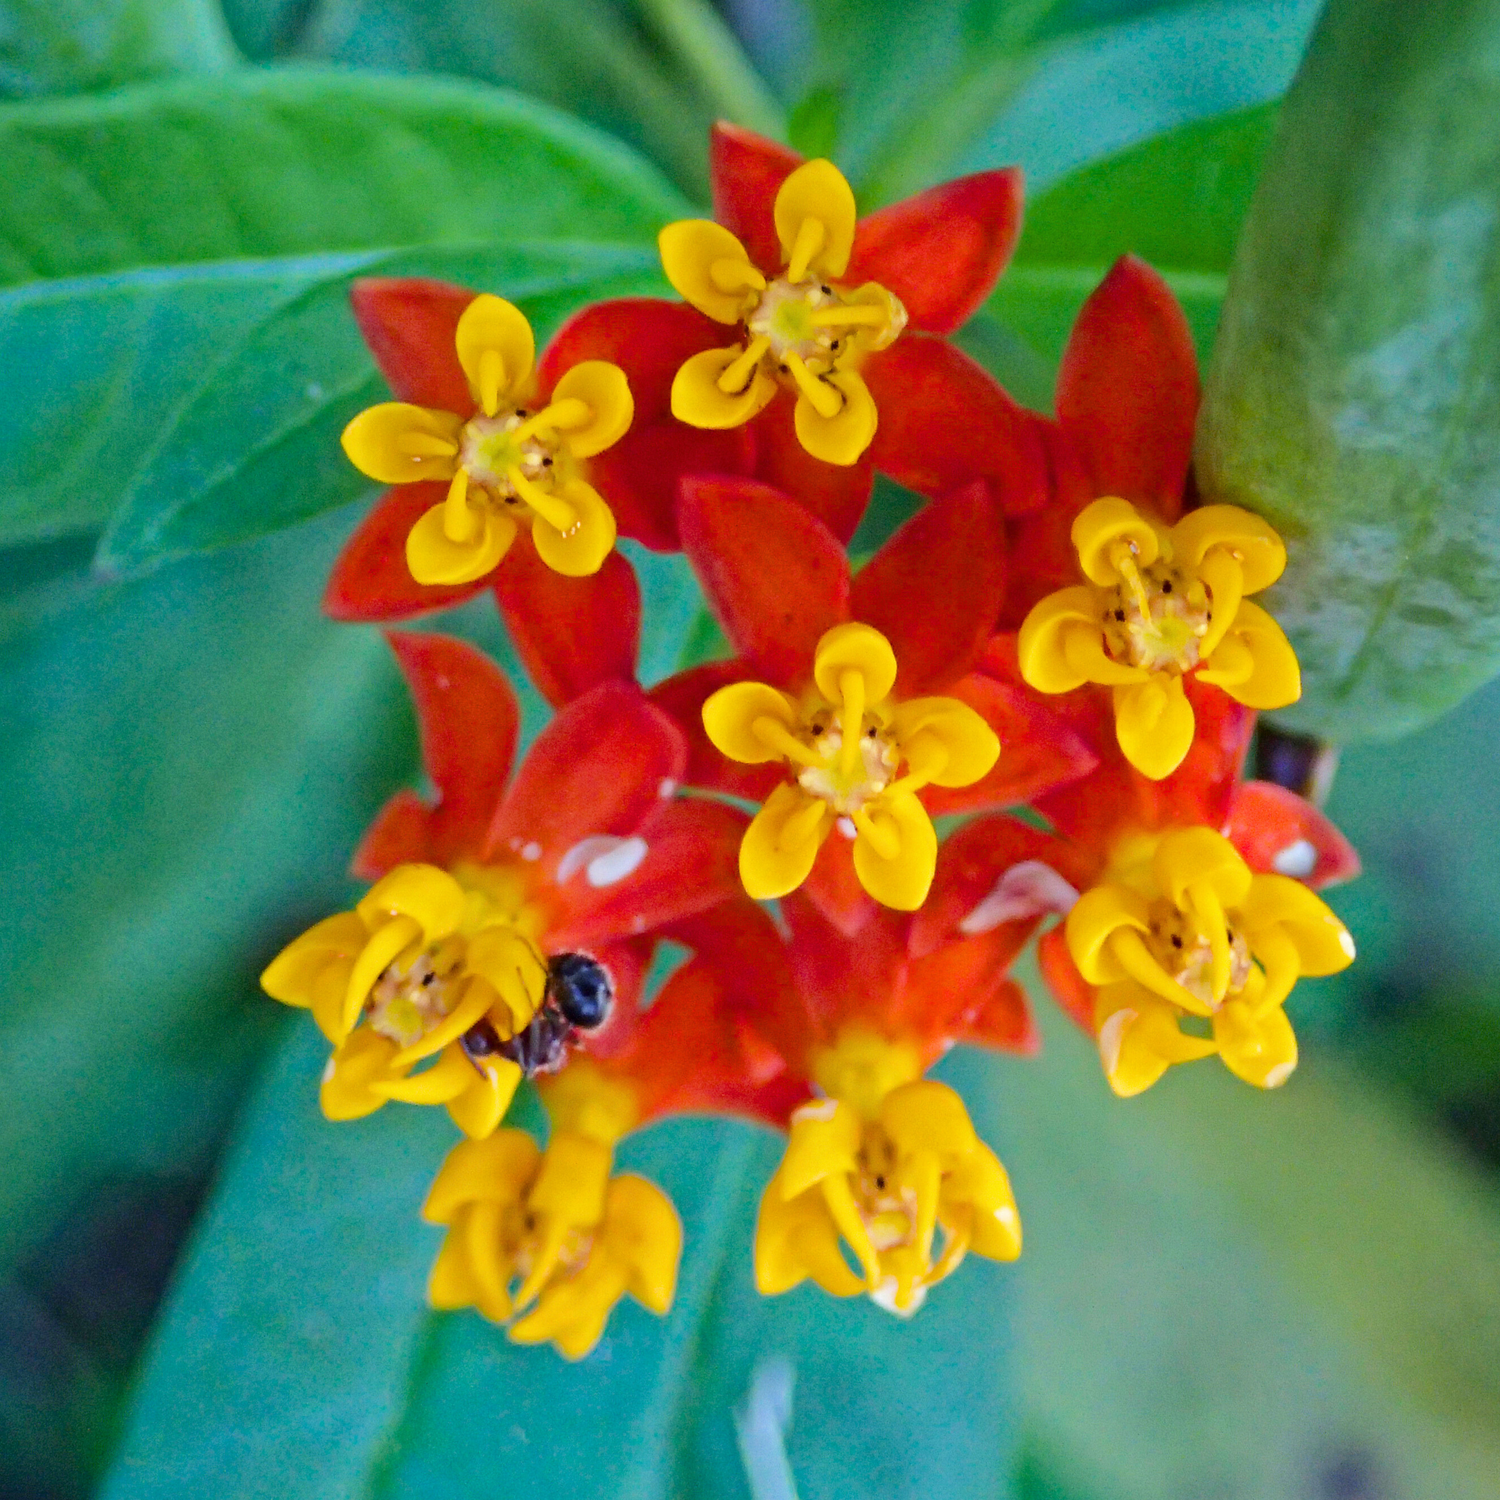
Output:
x,y
1298,860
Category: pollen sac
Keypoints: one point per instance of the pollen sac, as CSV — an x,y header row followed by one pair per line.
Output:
x,y
895,1172
1184,932
1160,604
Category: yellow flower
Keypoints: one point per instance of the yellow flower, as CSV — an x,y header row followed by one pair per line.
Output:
x,y
802,329
504,464
883,1162
846,744
415,967
1182,928
1160,603
551,1231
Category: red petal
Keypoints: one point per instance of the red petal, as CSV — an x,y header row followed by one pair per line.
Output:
x,y
409,323
934,589
602,766
570,633
641,475
944,422
468,718
682,696
746,171
1201,788
837,494
1040,750
647,337
1000,1018
834,888
1267,822
1127,391
401,834
1069,988
775,577
962,989
1043,558
942,251
370,581
971,865
691,864
842,980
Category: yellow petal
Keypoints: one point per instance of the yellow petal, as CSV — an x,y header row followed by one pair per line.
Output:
x,y
980,1183
1106,524
690,250
1189,861
944,741
816,191
346,1092
1154,724
446,1079
572,1314
491,327
870,337
488,1262
579,551
730,716
795,1239
292,975
450,1283
926,1115
1138,1042
643,1233
1260,1049
1274,678
433,558
481,1106
571,1185
900,880
822,1141
429,895
474,1001
842,438
603,388
858,648
781,843
698,400
1041,644
1095,917
495,1170
1279,903
1225,579
514,971
398,443
1252,542
386,944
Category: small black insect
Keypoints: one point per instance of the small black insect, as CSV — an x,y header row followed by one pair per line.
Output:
x,y
578,997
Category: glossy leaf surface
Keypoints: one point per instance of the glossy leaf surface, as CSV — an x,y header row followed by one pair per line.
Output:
x,y
1355,390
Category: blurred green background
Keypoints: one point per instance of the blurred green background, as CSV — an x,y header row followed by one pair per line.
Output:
x,y
206,1289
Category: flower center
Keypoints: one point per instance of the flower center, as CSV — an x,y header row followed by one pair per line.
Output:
x,y
410,999
1186,954
848,790
492,450
1156,616
888,1210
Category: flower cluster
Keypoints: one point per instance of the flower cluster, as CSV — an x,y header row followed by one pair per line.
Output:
x,y
1058,650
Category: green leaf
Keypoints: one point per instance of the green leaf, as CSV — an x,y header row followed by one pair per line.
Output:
x,y
72,46
295,1358
1226,1287
264,164
197,754
1355,391
1176,201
